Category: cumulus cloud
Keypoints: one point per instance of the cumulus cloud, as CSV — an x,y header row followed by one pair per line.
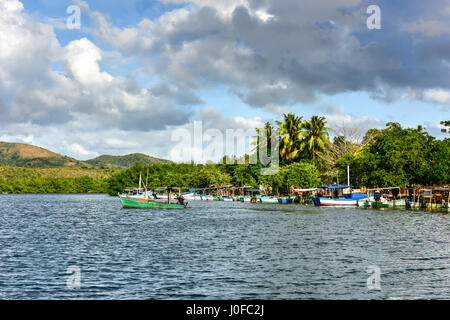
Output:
x,y
271,54
33,92
293,51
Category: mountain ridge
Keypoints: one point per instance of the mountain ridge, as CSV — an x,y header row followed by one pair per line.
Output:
x,y
31,156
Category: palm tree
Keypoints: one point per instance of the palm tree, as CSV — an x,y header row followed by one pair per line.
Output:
x,y
315,136
264,138
290,129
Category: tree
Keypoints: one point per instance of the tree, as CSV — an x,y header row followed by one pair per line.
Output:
x,y
303,174
265,138
244,175
290,139
315,136
446,125
399,156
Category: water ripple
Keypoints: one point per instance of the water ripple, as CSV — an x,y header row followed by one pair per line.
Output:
x,y
217,250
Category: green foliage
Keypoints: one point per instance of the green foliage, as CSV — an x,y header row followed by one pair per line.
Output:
x,y
446,125
399,156
169,174
315,137
394,156
53,180
302,174
290,140
53,185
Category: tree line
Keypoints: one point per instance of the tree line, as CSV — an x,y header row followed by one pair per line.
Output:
x,y
393,156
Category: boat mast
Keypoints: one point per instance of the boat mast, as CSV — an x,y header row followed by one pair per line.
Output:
x,y
348,175
146,184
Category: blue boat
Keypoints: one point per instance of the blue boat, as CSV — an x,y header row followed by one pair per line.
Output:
x,y
285,200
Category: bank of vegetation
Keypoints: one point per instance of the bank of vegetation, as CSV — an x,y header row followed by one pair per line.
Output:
x,y
54,180
393,156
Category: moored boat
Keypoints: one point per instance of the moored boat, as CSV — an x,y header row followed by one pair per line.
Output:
x,y
226,198
268,199
145,203
285,200
207,198
338,196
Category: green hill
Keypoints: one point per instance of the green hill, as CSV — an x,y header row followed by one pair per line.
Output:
x,y
25,155
122,162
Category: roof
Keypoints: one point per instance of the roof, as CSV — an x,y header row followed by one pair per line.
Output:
x,y
338,187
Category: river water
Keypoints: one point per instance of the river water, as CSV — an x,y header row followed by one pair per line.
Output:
x,y
88,247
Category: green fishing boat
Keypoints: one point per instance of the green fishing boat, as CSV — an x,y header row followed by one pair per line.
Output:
x,y
142,203
140,200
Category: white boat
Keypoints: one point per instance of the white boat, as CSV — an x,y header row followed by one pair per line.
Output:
x,y
191,196
338,202
208,198
344,197
266,199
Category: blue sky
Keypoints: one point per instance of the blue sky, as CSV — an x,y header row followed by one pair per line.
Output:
x,y
146,68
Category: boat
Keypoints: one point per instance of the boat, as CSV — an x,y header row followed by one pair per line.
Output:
x,y
135,193
140,198
138,192
207,198
226,198
383,203
268,199
245,199
145,203
250,195
377,198
285,200
430,198
304,195
338,196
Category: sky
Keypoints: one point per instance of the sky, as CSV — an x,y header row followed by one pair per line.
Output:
x,y
136,74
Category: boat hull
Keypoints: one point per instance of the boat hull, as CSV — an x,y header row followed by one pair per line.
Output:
x,y
382,204
284,200
325,202
268,200
133,203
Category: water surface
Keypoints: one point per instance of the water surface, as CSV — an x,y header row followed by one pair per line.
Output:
x,y
217,250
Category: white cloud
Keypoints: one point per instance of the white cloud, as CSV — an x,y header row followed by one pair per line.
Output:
x,y
437,96
271,54
82,59
80,152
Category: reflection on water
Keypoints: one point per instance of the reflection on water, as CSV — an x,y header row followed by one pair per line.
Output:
x,y
217,250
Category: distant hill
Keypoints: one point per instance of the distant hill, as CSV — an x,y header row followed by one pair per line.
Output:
x,y
120,162
25,155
